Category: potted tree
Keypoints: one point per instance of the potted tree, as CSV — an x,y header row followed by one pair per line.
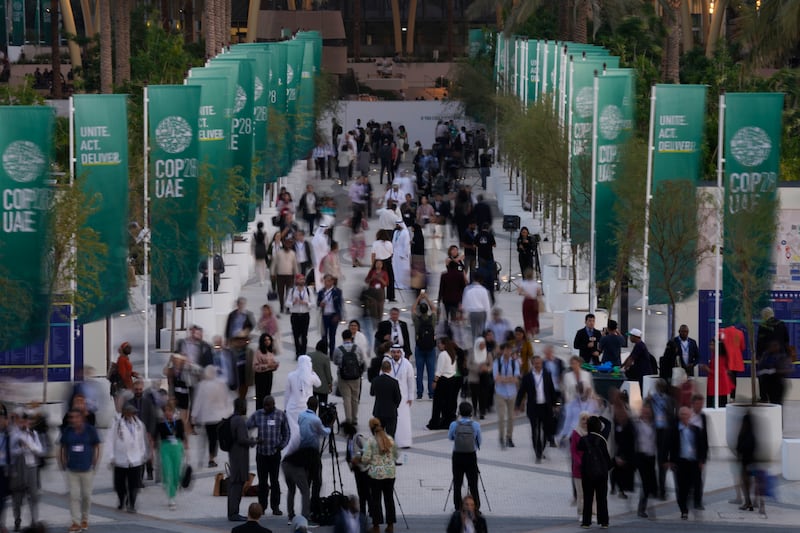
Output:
x,y
749,236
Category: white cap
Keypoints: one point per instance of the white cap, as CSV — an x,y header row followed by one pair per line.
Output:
x,y
635,332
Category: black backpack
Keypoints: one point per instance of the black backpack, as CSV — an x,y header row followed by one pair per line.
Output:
x,y
595,462
350,367
225,434
426,337
464,437
324,510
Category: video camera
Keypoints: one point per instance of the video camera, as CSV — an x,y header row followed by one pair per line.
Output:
x,y
328,414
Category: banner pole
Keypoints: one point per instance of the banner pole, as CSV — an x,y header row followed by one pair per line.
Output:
x,y
592,250
73,281
146,241
568,203
648,197
718,255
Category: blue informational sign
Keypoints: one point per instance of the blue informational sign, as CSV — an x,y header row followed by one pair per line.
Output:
x,y
27,363
786,305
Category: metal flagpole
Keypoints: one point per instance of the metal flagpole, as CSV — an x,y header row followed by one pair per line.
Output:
x,y
73,282
146,241
592,251
718,254
648,197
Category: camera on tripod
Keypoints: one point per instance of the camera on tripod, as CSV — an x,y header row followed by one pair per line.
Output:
x,y
328,414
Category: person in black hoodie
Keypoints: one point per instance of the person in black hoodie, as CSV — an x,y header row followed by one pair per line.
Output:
x,y
595,465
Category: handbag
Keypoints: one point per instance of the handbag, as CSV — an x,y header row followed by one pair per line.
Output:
x,y
186,477
542,304
221,482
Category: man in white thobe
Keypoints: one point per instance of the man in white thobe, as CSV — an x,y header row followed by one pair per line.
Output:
x,y
401,259
321,246
300,385
403,372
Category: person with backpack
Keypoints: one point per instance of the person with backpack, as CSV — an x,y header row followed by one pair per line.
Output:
x,y
351,362
466,436
425,341
595,464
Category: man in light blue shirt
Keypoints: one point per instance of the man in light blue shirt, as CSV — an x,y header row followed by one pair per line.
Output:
x,y
311,431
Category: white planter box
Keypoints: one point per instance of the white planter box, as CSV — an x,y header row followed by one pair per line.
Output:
x,y
768,422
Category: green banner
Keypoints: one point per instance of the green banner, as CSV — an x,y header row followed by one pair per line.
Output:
x,y
18,22
534,47
241,141
306,127
581,104
612,127
260,109
3,25
172,113
213,130
101,168
279,162
499,61
26,145
294,65
752,150
677,127
477,43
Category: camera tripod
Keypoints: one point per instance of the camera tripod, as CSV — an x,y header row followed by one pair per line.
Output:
x,y
330,443
483,487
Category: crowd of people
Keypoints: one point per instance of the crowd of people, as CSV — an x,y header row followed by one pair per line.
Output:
x,y
456,349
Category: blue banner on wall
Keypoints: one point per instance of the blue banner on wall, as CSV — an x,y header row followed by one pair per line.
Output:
x,y
26,363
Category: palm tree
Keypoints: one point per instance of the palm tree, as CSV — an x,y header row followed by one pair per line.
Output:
x,y
210,25
122,41
579,21
671,60
106,70
55,52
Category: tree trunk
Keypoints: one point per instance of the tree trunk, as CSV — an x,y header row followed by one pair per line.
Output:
x,y
223,28
412,27
106,70
715,29
188,21
55,53
210,23
581,34
252,20
122,38
686,26
565,10
670,62
398,38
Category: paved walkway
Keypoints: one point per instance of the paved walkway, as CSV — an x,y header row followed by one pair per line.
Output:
x,y
520,495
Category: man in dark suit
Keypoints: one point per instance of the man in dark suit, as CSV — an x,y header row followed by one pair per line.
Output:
x,y
586,341
394,331
690,354
688,455
537,385
387,398
254,512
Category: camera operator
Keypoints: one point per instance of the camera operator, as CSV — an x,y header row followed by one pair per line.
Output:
x,y
311,431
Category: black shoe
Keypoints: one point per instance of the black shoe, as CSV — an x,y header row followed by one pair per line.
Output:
x,y
132,509
17,523
277,512
699,508
622,495
641,514
119,507
237,518
510,443
150,476
684,516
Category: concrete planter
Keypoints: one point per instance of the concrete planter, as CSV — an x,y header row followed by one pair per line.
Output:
x,y
768,422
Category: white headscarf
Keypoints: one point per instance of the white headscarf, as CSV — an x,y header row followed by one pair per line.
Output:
x,y
478,353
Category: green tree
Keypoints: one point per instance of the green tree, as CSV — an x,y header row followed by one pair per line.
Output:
x,y
750,234
75,251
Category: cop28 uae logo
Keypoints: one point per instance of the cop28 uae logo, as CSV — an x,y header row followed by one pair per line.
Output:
x,y
241,99
259,89
584,102
610,122
23,161
750,146
174,134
